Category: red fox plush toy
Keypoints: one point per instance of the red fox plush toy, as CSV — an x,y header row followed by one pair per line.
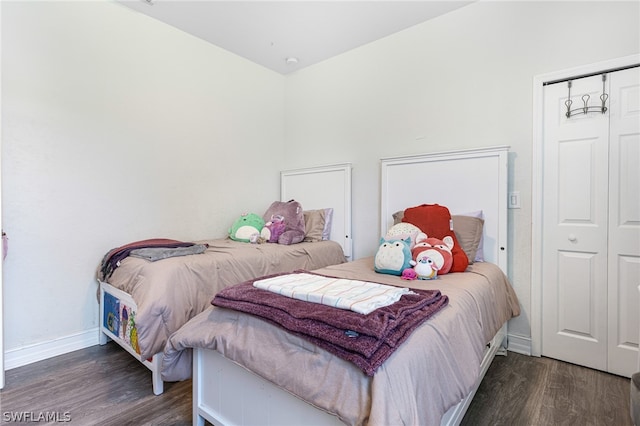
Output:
x,y
434,253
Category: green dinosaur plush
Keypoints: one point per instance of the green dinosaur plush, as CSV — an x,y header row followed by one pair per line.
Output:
x,y
245,226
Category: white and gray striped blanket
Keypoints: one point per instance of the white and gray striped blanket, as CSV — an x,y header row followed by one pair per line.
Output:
x,y
362,297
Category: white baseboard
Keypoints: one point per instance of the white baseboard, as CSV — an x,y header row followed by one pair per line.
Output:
x,y
519,344
14,358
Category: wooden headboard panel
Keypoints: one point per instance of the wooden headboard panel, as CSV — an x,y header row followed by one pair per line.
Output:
x,y
320,188
464,181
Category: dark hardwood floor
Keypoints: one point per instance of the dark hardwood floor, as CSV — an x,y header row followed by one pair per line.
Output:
x,y
104,385
100,385
531,391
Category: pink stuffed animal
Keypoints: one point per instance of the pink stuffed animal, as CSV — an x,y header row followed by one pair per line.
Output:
x,y
409,274
273,229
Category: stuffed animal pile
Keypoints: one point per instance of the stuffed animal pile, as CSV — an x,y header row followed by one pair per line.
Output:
x,y
282,223
422,246
435,221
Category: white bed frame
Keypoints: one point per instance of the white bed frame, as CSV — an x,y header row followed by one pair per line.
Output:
x,y
330,187
465,181
155,362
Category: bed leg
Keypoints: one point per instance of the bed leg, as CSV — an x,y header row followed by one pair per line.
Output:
x,y
102,338
158,384
504,344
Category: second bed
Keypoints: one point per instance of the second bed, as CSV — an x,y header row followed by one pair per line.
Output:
x,y
143,302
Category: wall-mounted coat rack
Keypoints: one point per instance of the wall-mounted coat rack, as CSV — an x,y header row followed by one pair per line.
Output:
x,y
585,100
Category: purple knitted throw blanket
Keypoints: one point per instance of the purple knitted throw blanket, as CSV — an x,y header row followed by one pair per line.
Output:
x,y
366,340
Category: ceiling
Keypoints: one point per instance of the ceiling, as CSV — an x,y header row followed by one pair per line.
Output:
x,y
270,32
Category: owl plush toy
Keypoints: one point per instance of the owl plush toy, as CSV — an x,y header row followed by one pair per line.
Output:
x,y
393,256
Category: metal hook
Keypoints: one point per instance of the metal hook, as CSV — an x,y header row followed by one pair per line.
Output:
x,y
568,102
585,101
604,96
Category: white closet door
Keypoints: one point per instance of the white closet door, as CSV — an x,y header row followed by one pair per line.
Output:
x,y
575,222
624,221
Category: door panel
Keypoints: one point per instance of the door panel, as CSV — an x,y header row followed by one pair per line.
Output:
x,y
575,214
577,163
624,224
576,295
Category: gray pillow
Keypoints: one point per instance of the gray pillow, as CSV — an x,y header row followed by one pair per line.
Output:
x,y
468,231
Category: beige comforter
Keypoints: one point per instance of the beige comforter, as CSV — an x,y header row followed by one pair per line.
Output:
x,y
171,291
432,371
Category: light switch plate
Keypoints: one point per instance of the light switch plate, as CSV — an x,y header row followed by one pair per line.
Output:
x,y
514,200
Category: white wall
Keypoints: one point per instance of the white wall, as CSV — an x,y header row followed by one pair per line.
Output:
x,y
117,128
462,80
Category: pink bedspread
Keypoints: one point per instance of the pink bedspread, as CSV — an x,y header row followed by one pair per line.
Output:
x,y
171,291
434,369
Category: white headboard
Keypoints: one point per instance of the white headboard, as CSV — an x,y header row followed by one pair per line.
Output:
x,y
464,181
320,188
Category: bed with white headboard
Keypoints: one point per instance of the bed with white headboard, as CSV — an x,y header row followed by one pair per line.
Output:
x,y
466,181
142,302
250,371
